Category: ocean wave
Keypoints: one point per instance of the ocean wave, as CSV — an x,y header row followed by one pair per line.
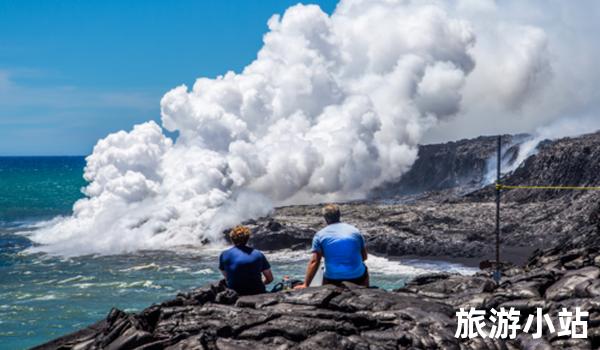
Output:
x,y
177,269
382,265
443,266
45,297
76,279
287,256
120,285
22,296
44,282
151,266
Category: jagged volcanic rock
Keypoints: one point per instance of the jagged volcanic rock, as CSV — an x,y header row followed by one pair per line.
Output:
x,y
571,161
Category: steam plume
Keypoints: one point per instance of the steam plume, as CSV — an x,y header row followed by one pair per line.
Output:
x,y
332,107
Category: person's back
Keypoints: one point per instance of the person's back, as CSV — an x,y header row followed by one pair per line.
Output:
x,y
243,266
344,250
341,244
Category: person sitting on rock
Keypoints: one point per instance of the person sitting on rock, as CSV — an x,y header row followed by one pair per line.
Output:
x,y
343,248
243,266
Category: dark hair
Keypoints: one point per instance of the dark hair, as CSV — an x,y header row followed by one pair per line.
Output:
x,y
331,213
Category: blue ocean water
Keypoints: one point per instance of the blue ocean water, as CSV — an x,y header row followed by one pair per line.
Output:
x,y
43,297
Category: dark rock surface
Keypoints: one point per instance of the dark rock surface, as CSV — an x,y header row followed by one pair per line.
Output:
x,y
270,234
459,229
317,318
571,161
460,165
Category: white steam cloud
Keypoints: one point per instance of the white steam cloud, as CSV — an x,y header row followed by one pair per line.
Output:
x,y
536,65
332,107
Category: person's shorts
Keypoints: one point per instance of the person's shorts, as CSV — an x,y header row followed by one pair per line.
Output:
x,y
361,281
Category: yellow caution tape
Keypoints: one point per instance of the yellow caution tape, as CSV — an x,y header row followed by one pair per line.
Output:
x,y
576,188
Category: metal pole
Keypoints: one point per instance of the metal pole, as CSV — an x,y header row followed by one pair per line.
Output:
x,y
499,165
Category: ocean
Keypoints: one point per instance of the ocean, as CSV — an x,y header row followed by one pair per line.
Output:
x,y
43,297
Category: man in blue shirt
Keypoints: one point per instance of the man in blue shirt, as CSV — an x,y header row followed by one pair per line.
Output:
x,y
343,248
242,266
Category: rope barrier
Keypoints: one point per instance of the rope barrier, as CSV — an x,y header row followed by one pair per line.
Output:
x,y
577,188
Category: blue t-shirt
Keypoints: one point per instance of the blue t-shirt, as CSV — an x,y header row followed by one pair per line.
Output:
x,y
244,266
341,245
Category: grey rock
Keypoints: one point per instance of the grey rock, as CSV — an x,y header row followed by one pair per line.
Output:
x,y
566,286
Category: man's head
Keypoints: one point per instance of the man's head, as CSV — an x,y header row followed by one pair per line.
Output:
x,y
239,235
331,213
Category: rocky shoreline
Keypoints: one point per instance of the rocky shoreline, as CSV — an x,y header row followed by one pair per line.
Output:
x,y
419,316
424,228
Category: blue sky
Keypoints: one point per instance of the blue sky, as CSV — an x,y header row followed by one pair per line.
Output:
x,y
73,71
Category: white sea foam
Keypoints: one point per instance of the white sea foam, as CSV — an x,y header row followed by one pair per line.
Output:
x,y
21,296
381,265
151,266
77,278
119,285
288,256
45,297
44,282
384,266
178,269
441,266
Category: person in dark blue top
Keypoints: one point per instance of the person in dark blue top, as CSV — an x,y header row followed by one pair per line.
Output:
x,y
243,266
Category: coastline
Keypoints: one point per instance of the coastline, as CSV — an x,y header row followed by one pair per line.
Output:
x,y
509,254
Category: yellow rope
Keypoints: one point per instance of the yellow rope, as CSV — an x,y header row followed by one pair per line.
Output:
x,y
578,188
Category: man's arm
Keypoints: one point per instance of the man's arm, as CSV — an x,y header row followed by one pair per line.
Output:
x,y
311,269
222,266
363,245
268,274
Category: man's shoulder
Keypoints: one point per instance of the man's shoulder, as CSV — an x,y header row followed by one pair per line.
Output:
x,y
225,252
327,230
349,227
228,251
340,227
321,231
257,252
